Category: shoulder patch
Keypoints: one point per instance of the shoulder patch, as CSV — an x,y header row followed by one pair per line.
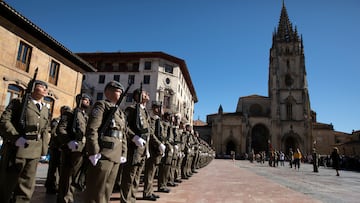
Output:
x,y
95,112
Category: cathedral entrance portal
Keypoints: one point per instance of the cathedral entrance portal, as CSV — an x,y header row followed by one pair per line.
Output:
x,y
230,146
259,138
290,142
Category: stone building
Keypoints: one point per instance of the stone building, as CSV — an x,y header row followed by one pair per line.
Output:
x,y
25,47
281,120
165,77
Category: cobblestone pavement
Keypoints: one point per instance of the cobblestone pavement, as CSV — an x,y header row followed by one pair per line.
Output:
x,y
242,181
324,186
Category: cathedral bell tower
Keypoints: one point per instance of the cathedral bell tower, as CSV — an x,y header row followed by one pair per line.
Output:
x,y
288,89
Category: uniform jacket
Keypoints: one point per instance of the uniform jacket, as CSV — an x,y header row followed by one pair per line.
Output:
x,y
37,125
65,132
168,142
156,138
115,147
137,154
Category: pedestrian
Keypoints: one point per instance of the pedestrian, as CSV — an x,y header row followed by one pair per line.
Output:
x,y
106,144
315,159
138,120
291,157
23,144
282,158
53,173
71,135
335,157
297,159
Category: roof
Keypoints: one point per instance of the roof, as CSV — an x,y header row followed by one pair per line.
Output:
x,y
199,123
29,27
138,56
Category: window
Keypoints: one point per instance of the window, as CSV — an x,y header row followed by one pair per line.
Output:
x,y
54,72
101,79
169,68
131,79
289,111
135,67
99,96
23,57
13,92
129,97
146,79
50,104
117,78
147,65
167,102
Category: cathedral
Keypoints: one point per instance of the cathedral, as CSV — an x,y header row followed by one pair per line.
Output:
x,y
282,120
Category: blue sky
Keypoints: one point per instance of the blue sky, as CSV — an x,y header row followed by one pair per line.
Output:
x,y
225,44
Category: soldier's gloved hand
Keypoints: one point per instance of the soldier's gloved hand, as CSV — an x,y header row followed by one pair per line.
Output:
x,y
176,148
162,148
147,154
21,142
138,141
94,159
73,145
123,160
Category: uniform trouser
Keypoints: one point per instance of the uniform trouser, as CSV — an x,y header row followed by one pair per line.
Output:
x,y
18,181
195,162
164,171
70,165
53,172
183,166
149,173
178,168
188,165
172,169
130,181
100,181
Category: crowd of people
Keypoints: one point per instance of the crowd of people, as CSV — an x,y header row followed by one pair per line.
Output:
x,y
97,148
295,158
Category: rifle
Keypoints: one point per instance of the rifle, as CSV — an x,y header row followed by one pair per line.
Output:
x,y
112,112
139,122
75,123
24,102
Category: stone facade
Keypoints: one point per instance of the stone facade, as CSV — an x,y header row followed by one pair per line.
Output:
x,y
20,37
165,77
281,120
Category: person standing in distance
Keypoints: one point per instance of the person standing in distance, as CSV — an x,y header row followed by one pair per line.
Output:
x,y
22,152
106,145
335,157
140,125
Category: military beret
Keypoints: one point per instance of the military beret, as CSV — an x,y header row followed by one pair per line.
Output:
x,y
85,96
114,84
65,108
82,96
156,103
40,82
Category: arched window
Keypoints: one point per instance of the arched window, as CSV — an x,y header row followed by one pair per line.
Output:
x,y
14,91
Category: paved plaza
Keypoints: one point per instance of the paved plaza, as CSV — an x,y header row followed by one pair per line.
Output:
x,y
242,181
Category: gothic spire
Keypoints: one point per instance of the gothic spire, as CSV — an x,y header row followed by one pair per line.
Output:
x,y
285,31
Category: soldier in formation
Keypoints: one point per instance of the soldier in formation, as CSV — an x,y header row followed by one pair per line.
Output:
x,y
106,144
153,144
139,125
71,136
25,128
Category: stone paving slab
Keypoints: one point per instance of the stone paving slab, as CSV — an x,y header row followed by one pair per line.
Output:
x,y
225,181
